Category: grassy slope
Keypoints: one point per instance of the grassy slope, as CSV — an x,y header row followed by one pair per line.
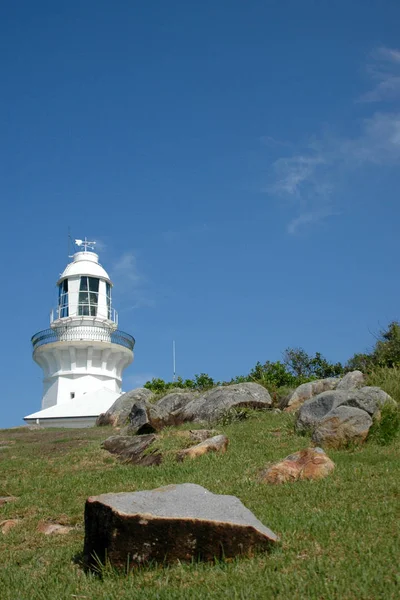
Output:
x,y
339,536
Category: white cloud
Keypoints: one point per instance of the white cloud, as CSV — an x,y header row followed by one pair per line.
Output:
x,y
385,70
126,268
132,286
308,175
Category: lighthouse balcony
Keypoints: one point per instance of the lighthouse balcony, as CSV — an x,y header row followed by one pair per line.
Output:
x,y
83,333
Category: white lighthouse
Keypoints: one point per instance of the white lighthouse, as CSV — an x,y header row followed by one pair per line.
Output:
x,y
83,353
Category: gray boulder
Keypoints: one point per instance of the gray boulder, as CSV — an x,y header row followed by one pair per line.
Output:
x,y
211,405
353,379
342,425
313,410
142,418
369,398
133,449
174,523
117,415
306,391
168,409
340,416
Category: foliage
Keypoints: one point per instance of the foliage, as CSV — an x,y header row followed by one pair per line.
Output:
x,y
359,362
387,348
200,382
386,378
274,373
385,353
306,367
386,426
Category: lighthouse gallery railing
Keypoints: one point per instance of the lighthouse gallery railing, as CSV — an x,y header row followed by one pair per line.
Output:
x,y
81,333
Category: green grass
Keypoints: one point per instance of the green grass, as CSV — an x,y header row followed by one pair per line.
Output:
x,y
339,536
388,379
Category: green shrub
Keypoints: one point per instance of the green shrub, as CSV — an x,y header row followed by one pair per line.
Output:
x,y
386,426
386,378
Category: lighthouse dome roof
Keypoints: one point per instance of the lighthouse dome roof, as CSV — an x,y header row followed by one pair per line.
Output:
x,y
85,263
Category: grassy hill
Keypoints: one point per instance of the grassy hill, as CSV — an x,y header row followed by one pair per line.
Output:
x,y
339,536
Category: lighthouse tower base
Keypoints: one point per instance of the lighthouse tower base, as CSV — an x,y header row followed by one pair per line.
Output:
x,y
79,412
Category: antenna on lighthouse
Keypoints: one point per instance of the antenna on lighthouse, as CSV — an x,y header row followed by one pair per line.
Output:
x,y
173,360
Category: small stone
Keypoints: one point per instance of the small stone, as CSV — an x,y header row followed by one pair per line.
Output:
x,y
218,443
200,435
311,463
8,524
174,523
134,449
5,499
49,528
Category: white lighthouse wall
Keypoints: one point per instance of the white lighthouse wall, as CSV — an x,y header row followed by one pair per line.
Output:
x,y
62,389
80,369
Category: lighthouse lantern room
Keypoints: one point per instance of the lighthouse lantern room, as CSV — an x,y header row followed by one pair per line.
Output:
x,y
83,353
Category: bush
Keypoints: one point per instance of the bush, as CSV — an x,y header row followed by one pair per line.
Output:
x,y
388,379
386,426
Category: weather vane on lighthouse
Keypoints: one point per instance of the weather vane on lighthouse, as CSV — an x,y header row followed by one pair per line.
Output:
x,y
86,244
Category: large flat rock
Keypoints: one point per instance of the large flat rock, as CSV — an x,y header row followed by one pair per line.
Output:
x,y
178,522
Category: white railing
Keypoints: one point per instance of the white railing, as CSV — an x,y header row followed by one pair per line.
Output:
x,y
82,333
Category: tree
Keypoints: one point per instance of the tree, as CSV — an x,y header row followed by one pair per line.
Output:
x,y
274,373
387,347
305,367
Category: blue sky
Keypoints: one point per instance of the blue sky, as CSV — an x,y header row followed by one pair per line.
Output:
x,y
238,163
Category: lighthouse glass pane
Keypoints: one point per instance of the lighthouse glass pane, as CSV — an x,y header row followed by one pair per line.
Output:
x,y
88,296
108,293
63,299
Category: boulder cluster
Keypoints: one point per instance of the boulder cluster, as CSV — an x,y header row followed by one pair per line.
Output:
x,y
136,410
187,522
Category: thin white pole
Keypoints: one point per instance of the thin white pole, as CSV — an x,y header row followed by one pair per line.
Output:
x,y
173,360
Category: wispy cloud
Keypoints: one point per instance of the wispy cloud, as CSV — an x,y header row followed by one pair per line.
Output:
x,y
133,287
384,69
307,177
126,268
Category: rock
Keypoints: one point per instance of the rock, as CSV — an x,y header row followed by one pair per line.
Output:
x,y
168,410
370,399
141,418
313,410
133,449
342,425
200,435
211,405
174,523
341,416
306,391
311,463
118,414
218,443
8,524
49,528
5,499
353,379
